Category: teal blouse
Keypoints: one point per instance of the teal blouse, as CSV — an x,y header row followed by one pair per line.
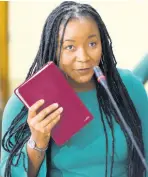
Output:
x,y
85,153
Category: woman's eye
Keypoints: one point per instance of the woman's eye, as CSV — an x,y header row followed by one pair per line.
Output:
x,y
92,44
70,47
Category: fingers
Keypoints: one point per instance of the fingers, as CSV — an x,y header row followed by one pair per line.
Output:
x,y
51,117
41,116
51,125
34,108
45,120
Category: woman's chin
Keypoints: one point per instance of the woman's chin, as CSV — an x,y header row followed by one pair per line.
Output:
x,y
83,80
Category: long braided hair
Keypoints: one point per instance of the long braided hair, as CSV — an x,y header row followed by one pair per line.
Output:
x,y
48,52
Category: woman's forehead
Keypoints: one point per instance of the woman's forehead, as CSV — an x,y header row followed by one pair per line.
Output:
x,y
82,26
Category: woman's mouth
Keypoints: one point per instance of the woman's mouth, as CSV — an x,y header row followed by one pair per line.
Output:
x,y
84,70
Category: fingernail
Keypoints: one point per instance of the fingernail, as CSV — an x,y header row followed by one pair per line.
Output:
x,y
42,101
56,104
61,109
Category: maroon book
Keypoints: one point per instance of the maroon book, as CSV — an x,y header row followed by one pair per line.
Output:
x,y
50,84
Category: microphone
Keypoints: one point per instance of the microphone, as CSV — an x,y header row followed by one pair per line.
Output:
x,y
102,80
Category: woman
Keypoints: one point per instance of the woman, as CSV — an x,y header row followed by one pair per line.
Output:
x,y
76,39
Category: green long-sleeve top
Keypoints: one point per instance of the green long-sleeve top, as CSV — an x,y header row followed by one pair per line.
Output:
x,y
84,154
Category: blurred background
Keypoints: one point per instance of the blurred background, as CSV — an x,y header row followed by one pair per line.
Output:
x,y
21,25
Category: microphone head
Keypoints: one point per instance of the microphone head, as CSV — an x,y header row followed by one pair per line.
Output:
x,y
100,76
98,71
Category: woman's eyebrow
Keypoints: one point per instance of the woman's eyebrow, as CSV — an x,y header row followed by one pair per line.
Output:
x,y
71,40
92,35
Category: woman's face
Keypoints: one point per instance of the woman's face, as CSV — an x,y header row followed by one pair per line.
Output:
x,y
81,49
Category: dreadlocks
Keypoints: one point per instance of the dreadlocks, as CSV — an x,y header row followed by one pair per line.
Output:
x,y
48,52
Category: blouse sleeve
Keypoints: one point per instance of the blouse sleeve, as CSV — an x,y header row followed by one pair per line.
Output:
x,y
12,108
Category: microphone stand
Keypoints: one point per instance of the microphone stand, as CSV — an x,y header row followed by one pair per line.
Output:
x,y
102,80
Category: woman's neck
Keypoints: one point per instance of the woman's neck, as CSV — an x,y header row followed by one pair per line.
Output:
x,y
81,87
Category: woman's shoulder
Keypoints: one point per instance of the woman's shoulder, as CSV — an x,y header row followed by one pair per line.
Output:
x,y
127,75
13,103
135,89
130,80
12,108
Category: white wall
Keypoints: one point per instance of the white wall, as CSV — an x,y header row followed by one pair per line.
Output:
x,y
127,23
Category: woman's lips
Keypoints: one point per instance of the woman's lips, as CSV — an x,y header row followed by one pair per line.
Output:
x,y
85,70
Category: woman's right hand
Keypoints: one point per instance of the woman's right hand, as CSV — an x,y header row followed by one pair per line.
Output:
x,y
42,123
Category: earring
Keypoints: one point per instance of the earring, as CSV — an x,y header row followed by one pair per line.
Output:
x,y
102,58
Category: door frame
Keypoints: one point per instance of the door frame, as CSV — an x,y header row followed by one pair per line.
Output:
x,y
4,86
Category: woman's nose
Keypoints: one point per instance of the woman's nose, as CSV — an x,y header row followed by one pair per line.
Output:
x,y
82,56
